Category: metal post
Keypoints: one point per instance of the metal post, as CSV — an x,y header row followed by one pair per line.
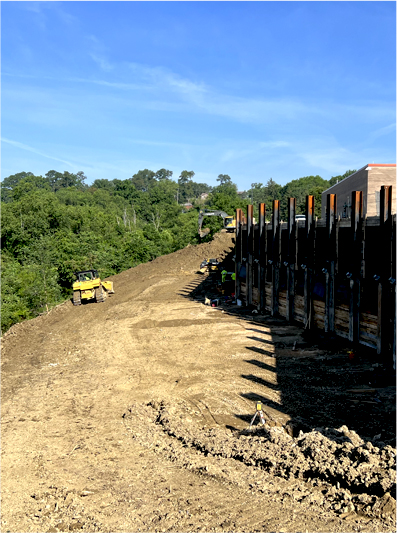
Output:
x,y
275,256
262,257
239,217
385,289
310,243
291,258
393,291
250,259
355,275
329,320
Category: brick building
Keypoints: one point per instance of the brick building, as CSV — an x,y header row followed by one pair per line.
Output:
x,y
369,180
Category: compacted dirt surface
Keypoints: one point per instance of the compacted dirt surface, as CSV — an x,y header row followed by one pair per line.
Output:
x,y
133,415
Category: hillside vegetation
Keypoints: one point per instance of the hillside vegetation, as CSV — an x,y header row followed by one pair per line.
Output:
x,y
55,225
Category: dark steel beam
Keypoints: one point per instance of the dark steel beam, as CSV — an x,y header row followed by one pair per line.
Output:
x,y
262,257
355,275
386,287
291,258
239,219
250,259
329,319
275,255
310,243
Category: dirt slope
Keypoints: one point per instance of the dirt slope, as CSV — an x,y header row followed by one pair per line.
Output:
x,y
131,415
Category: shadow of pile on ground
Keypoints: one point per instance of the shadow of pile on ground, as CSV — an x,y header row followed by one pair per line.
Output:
x,y
319,386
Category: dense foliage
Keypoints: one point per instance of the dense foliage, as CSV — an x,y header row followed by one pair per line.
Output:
x,y
55,225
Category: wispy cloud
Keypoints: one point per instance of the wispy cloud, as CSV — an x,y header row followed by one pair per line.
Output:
x,y
163,77
327,158
258,150
34,150
41,12
160,89
203,98
386,130
98,53
103,63
160,143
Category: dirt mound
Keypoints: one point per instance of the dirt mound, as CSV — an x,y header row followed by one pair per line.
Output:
x,y
190,257
351,476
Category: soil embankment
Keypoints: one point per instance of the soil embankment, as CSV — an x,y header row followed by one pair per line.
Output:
x,y
131,415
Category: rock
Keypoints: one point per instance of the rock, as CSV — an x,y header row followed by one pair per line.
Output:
x,y
350,507
74,526
69,499
385,505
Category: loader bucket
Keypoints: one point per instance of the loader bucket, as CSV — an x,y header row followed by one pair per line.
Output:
x,y
204,232
108,286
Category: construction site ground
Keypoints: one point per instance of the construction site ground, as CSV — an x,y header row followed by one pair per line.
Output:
x,y
132,415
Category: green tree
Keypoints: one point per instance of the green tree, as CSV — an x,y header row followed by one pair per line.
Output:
x,y
163,174
223,179
103,184
299,189
200,188
143,179
186,176
185,188
55,225
9,183
30,184
336,179
14,308
224,197
60,180
257,193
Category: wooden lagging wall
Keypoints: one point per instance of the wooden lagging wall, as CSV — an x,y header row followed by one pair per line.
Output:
x,y
368,322
351,260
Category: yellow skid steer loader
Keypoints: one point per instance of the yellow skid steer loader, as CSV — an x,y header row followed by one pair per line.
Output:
x,y
89,286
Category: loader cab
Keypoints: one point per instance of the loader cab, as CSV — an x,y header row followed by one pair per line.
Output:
x,y
87,275
229,223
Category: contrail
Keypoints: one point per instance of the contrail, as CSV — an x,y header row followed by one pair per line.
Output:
x,y
30,149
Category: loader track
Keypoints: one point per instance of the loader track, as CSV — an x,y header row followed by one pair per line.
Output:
x,y
76,298
100,294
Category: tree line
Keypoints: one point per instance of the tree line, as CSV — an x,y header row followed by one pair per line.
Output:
x,y
57,224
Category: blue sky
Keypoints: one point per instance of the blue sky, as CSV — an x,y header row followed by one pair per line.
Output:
x,y
256,90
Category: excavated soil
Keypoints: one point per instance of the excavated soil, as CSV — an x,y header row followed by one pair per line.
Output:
x,y
133,415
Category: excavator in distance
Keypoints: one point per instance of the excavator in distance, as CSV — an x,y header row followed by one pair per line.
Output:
x,y
229,223
88,285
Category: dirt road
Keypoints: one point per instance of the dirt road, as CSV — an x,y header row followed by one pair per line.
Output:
x,y
131,415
